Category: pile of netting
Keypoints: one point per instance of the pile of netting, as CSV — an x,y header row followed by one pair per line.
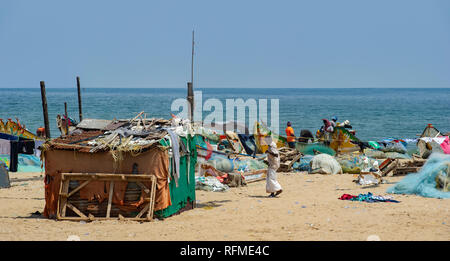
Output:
x,y
431,181
355,164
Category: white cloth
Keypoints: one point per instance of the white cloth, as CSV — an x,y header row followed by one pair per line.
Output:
x,y
272,184
274,161
176,155
37,144
5,147
325,164
438,140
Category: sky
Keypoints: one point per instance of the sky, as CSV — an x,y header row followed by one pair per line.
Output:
x,y
238,44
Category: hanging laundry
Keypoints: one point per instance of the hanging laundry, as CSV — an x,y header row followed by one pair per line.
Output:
x,y
176,155
19,147
445,145
14,156
5,147
438,140
210,151
37,144
26,147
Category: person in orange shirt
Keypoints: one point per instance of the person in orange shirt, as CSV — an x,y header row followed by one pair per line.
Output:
x,y
290,135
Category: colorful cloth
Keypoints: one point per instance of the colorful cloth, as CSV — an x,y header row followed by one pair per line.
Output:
x,y
445,145
369,197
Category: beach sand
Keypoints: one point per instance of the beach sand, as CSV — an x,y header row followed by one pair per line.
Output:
x,y
308,209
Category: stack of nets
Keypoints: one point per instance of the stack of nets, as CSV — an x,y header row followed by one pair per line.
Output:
x,y
430,181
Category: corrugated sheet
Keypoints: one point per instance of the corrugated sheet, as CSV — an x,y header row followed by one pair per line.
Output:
x,y
93,124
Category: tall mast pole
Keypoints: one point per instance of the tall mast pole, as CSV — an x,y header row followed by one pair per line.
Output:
x,y
190,94
192,62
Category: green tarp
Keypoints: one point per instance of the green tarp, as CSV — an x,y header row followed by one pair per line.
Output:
x,y
185,192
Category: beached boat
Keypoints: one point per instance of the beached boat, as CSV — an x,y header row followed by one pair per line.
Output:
x,y
341,141
16,129
427,146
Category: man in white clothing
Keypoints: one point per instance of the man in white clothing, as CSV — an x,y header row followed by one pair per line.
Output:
x,y
272,185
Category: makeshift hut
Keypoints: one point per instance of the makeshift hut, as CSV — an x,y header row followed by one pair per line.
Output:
x,y
119,169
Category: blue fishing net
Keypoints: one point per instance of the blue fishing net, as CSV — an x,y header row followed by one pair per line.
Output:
x,y
308,149
423,183
396,155
248,164
303,163
394,147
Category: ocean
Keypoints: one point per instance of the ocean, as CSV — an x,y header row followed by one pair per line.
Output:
x,y
375,114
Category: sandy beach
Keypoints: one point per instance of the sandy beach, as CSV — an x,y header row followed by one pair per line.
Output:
x,y
308,209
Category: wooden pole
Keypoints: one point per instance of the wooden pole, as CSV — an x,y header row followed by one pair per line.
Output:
x,y
79,98
190,99
66,121
190,85
192,61
44,109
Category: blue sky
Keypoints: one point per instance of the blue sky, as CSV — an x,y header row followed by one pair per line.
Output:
x,y
255,44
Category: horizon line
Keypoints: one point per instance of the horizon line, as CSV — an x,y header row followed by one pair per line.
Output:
x,y
105,87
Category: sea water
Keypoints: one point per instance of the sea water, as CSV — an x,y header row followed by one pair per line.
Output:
x,y
375,114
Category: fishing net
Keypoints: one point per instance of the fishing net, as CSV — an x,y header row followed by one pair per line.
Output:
x,y
424,183
377,154
325,164
303,164
356,164
309,149
396,155
249,164
394,147
209,184
221,163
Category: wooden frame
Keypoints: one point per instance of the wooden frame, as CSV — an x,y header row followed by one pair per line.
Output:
x,y
86,178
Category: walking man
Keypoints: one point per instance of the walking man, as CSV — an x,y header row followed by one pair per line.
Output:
x,y
272,185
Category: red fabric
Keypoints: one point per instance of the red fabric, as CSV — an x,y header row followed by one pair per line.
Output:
x,y
208,156
446,145
222,178
347,197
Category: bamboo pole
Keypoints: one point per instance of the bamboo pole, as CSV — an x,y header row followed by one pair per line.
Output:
x,y
79,98
66,121
45,110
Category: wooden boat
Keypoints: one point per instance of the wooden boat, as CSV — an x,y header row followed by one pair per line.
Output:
x,y
262,133
341,141
426,148
16,129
